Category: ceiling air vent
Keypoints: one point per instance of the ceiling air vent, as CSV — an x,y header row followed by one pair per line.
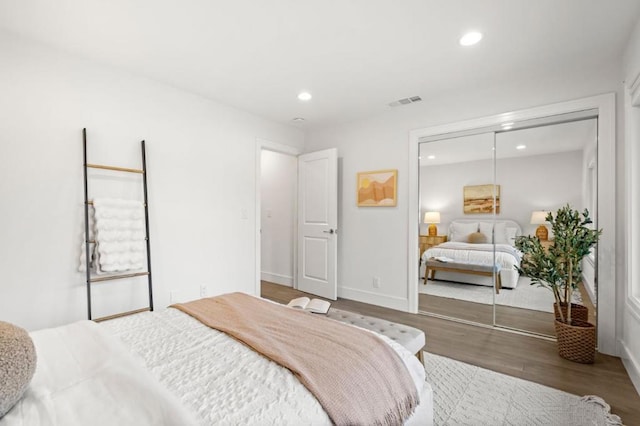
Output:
x,y
405,101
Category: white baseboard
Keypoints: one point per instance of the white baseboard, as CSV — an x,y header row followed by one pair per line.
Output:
x,y
589,286
591,295
632,365
372,298
277,278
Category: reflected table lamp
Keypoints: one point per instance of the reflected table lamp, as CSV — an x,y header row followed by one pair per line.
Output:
x,y
432,218
540,218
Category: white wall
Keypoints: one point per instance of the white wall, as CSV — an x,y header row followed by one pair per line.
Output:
x,y
374,241
539,182
201,161
279,173
630,314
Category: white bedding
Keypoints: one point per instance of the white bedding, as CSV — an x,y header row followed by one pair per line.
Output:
x,y
84,376
166,368
222,380
506,256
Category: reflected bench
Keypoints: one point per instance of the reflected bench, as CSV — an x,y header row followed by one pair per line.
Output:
x,y
483,269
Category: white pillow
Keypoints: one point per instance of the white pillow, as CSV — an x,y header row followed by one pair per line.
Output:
x,y
460,231
500,233
487,229
497,230
512,233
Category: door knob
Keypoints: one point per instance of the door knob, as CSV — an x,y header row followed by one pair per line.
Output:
x,y
330,231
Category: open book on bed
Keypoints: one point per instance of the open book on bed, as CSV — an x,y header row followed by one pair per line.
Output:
x,y
316,306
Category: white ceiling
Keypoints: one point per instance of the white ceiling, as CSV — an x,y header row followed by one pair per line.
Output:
x,y
554,138
354,56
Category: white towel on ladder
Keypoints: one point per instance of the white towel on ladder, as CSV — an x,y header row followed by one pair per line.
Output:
x,y
119,230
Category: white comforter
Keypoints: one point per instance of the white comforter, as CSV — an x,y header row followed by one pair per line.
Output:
x,y
507,256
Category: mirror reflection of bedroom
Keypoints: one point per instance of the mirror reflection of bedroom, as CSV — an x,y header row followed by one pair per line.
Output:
x,y
478,192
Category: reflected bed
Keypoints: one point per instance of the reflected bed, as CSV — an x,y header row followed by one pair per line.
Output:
x,y
459,250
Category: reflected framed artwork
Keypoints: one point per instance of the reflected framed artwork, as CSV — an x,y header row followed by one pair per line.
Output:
x,y
479,199
377,188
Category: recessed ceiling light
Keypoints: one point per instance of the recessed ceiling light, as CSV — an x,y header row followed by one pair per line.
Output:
x,y
431,157
297,119
521,147
470,38
304,96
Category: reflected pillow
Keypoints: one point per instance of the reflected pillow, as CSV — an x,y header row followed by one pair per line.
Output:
x,y
460,231
500,233
512,233
498,230
487,229
477,238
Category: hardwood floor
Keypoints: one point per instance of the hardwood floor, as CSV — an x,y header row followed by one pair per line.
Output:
x,y
508,316
509,353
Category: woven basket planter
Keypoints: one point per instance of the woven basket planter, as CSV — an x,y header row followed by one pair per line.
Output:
x,y
576,342
578,312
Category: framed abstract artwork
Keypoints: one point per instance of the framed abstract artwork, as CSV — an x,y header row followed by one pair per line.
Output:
x,y
479,199
377,188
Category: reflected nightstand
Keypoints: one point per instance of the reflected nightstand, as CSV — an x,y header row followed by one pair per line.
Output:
x,y
428,241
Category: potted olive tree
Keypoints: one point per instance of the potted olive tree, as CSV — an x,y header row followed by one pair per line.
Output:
x,y
559,269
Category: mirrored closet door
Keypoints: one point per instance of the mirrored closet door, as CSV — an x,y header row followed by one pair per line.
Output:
x,y
482,189
541,169
456,195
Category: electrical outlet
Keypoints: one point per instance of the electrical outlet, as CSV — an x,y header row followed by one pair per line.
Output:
x,y
203,290
174,296
376,282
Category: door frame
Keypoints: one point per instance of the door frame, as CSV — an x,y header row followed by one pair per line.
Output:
x,y
266,145
606,272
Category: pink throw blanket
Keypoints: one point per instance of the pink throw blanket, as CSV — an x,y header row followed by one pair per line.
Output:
x,y
357,377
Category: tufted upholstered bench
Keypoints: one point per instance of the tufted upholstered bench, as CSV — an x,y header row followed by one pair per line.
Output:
x,y
409,337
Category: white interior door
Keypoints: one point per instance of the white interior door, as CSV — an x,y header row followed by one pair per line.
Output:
x,y
318,223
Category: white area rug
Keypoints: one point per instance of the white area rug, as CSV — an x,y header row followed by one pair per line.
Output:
x,y
525,295
467,395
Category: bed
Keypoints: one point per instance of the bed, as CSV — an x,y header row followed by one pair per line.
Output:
x,y
166,367
470,242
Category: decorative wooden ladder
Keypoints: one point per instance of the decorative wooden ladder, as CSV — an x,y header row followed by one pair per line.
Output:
x,y
91,279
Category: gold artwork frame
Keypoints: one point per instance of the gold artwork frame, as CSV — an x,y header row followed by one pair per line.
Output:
x,y
478,199
378,188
